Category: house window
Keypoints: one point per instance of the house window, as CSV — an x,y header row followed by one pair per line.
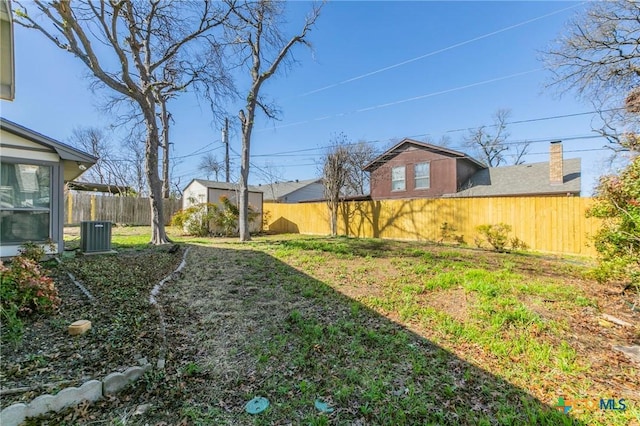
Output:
x,y
398,178
25,203
422,175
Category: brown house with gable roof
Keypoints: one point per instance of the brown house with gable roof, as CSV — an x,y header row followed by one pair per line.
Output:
x,y
413,169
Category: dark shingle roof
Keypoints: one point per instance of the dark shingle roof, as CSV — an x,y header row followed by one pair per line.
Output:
x,y
524,179
401,147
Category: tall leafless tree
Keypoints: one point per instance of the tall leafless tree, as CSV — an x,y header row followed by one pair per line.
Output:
x,y
140,43
491,145
598,57
256,32
209,164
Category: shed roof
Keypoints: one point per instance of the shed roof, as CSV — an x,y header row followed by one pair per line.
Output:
x,y
524,179
222,185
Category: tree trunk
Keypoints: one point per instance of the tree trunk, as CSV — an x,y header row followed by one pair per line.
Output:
x,y
333,211
247,127
158,232
165,147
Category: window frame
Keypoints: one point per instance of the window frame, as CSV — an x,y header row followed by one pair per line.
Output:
x,y
404,178
427,176
52,209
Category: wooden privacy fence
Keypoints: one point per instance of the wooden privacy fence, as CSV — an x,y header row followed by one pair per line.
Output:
x,y
123,210
548,224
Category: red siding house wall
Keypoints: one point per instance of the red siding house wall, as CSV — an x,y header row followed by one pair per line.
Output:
x,y
442,176
447,171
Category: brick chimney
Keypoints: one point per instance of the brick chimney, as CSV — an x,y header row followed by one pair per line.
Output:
x,y
556,174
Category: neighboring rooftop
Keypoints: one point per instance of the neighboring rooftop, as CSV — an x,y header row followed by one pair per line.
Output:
x,y
401,146
279,190
524,179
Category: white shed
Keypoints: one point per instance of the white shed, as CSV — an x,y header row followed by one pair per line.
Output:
x,y
207,191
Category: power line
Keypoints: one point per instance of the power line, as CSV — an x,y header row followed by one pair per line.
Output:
x,y
435,52
199,149
197,153
296,153
411,99
531,120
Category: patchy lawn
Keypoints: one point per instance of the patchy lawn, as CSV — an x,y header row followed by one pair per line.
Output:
x,y
383,332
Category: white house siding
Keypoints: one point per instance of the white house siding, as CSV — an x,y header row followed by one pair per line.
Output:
x,y
195,193
16,147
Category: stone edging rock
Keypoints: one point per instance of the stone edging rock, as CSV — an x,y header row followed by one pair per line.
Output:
x,y
92,390
152,300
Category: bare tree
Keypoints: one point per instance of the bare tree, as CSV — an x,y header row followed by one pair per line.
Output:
x,y
359,155
134,146
256,33
487,144
272,175
147,41
209,164
335,173
490,143
111,168
598,57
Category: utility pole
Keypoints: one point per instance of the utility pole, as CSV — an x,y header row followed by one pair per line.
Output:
x,y
225,141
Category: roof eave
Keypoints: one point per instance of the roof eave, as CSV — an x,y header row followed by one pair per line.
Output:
x,y
65,152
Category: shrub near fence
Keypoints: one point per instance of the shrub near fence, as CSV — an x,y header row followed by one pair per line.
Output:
x,y
123,210
548,224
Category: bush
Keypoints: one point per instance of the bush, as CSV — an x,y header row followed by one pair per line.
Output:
x,y
447,233
197,219
25,289
618,241
496,235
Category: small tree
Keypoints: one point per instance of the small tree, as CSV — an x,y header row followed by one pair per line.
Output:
x,y
618,241
335,172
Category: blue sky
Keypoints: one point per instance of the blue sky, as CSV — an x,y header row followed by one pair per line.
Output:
x,y
378,71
